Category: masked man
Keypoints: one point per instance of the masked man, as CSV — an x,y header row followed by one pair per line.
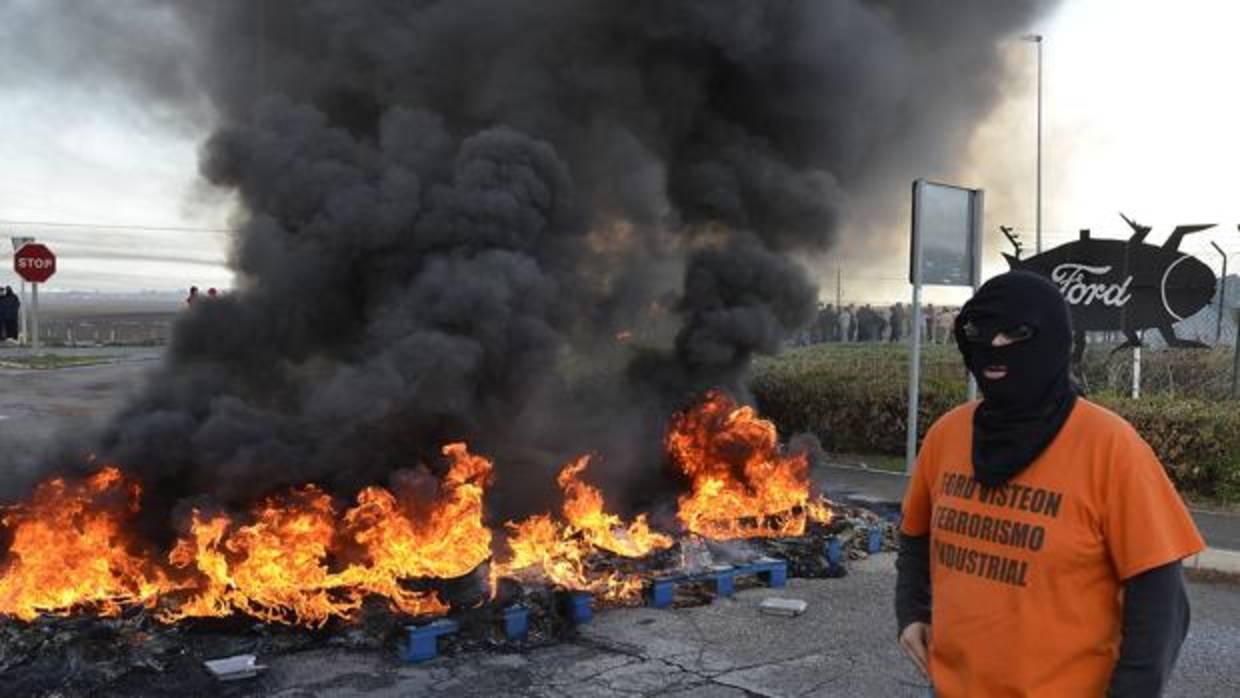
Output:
x,y
1041,538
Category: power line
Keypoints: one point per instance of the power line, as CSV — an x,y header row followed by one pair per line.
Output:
x,y
114,226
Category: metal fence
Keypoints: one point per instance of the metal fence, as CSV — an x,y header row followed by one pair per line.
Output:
x,y
1206,373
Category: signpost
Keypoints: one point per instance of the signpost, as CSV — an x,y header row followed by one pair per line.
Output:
x,y
946,250
18,241
35,263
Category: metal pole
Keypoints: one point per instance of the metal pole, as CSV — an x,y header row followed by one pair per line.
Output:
x,y
1222,303
1037,39
1136,372
23,312
838,293
914,377
1039,221
1235,360
34,292
975,250
914,370
1222,296
1235,365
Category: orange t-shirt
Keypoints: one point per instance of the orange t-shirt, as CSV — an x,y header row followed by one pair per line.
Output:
x,y
1026,579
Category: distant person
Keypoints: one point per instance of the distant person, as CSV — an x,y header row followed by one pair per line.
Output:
x,y
10,311
897,322
212,294
930,318
193,296
880,325
846,322
864,323
875,322
944,323
828,323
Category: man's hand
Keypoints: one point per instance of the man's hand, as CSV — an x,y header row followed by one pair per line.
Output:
x,y
915,639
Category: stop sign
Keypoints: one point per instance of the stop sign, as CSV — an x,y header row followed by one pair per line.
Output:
x,y
34,262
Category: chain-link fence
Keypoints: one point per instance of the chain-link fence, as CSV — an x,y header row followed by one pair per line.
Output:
x,y
865,347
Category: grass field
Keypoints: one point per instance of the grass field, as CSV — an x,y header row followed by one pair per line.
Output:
x,y
53,361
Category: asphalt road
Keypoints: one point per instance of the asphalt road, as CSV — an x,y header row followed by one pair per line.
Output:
x,y
842,646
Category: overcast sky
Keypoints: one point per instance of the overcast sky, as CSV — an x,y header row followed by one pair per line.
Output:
x,y
1140,115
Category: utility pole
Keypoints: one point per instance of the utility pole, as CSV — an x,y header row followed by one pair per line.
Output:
x,y
1037,39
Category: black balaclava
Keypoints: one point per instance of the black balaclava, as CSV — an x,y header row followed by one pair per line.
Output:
x,y
1023,411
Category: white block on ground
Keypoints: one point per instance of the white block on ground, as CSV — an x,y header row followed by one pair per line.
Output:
x,y
783,607
241,666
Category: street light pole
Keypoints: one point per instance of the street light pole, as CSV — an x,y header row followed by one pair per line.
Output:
x,y
1037,39
1222,295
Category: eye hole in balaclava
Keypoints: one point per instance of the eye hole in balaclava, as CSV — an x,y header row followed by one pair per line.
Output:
x,y
1025,381
974,334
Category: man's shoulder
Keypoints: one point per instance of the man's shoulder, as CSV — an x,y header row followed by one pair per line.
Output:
x,y
1126,450
954,420
1100,421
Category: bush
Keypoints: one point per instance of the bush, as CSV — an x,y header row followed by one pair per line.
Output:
x,y
855,400
1198,441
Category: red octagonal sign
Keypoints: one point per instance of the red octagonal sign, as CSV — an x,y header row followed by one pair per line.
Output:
x,y
34,262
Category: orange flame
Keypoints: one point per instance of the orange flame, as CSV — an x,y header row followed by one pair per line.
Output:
x,y
273,569
561,552
583,509
68,550
296,560
741,484
276,568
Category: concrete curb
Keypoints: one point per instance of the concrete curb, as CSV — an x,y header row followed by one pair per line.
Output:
x,y
1215,560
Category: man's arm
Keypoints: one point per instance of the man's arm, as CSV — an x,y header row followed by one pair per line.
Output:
x,y
913,599
912,581
1156,617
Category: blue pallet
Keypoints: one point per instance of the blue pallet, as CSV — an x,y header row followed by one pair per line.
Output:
x,y
773,572
578,606
662,589
424,639
874,539
835,551
516,623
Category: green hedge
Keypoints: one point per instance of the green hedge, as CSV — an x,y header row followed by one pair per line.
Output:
x,y
855,400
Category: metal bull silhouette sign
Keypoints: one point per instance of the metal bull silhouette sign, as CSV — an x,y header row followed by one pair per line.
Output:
x,y
1126,285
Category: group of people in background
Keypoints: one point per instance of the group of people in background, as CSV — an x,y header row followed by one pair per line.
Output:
x,y
10,314
194,296
882,324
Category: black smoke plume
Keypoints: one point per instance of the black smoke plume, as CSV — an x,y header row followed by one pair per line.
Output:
x,y
448,205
